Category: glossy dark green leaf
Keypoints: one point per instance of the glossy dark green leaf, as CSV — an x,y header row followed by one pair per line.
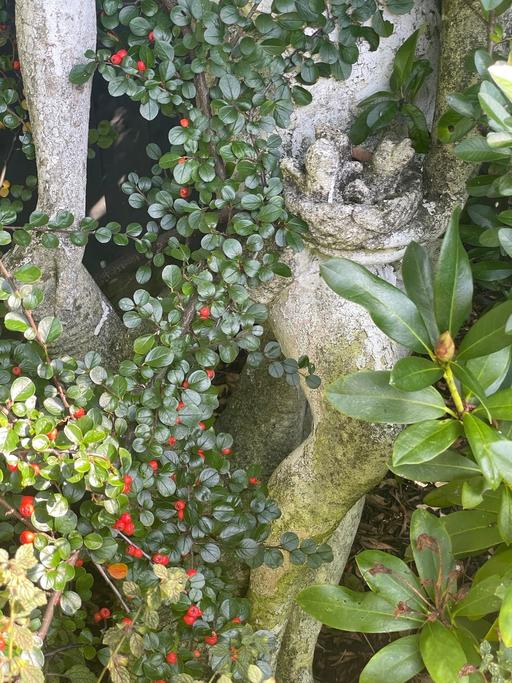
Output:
x,y
422,442
499,404
481,437
349,610
471,531
488,334
419,284
453,282
490,370
414,373
481,599
391,578
390,308
397,662
432,550
444,467
369,396
403,62
477,149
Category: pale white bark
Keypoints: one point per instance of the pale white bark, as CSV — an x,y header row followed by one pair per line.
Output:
x,y
52,37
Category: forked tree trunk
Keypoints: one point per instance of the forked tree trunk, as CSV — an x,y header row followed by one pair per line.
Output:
x,y
52,37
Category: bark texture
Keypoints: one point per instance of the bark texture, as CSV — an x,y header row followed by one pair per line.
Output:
x,y
52,37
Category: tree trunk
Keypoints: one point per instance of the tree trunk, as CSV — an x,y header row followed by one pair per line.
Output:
x,y
52,37
318,484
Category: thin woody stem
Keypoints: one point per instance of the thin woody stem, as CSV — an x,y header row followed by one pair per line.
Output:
x,y
112,585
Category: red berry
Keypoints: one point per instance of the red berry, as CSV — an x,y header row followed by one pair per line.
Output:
x,y
158,558
254,481
16,371
184,192
226,451
97,617
184,123
153,464
180,505
27,536
26,506
16,65
211,639
53,435
182,160
189,620
138,553
79,412
129,528
201,426
204,312
151,37
36,468
126,621
141,66
178,420
125,518
160,680
194,611
122,53
2,643
116,59
197,653
210,373
171,657
127,483
79,562
104,612
200,453
12,468
185,384
171,441
191,572
236,620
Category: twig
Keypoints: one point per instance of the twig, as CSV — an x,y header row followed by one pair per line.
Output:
x,y
239,32
112,585
130,542
54,601
188,314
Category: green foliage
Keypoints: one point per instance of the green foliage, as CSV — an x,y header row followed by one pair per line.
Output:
x,y
458,433
395,107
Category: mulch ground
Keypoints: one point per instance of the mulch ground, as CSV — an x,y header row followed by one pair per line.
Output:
x,y
340,657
